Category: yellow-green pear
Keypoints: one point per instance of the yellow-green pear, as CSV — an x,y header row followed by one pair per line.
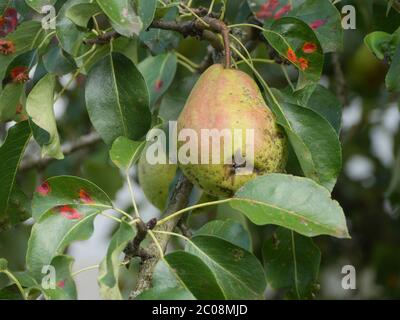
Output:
x,y
228,99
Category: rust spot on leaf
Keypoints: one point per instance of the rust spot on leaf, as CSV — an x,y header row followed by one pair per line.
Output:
x,y
281,12
6,47
238,254
158,85
85,197
304,64
44,189
19,109
267,9
8,22
61,284
309,47
69,213
20,74
291,55
317,23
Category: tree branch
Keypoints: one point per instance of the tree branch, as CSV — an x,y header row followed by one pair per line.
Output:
x,y
192,28
133,249
197,28
83,142
340,82
102,39
178,200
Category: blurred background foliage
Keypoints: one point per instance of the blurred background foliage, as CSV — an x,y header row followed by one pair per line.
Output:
x,y
368,188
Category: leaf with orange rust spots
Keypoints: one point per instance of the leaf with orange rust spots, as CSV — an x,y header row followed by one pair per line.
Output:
x,y
65,287
289,37
67,191
321,15
54,232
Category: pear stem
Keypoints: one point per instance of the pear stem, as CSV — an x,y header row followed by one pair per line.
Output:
x,y
225,37
219,26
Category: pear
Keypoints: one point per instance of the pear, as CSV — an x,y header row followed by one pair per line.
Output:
x,y
155,180
230,99
365,73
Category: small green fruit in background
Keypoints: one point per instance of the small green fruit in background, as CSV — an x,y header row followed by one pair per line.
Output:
x,y
365,72
155,180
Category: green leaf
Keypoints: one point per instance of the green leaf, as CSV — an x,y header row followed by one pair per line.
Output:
x,y
14,289
229,230
158,72
321,14
236,11
39,4
109,268
81,14
26,280
10,293
291,34
27,59
315,143
330,33
9,100
19,209
393,76
69,35
291,263
3,6
40,108
160,41
230,265
67,190
296,203
182,270
27,37
175,98
126,46
11,153
146,10
58,62
120,106
125,153
55,231
379,43
326,104
387,46
122,16
65,288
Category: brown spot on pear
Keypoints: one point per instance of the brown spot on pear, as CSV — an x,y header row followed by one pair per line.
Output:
x,y
230,99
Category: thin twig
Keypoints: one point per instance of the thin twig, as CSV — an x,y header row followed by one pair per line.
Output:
x,y
195,28
178,200
83,142
192,28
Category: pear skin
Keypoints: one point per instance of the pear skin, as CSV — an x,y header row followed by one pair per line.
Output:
x,y
230,99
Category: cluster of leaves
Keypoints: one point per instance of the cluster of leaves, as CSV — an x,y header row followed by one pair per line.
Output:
x,y
386,47
127,91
